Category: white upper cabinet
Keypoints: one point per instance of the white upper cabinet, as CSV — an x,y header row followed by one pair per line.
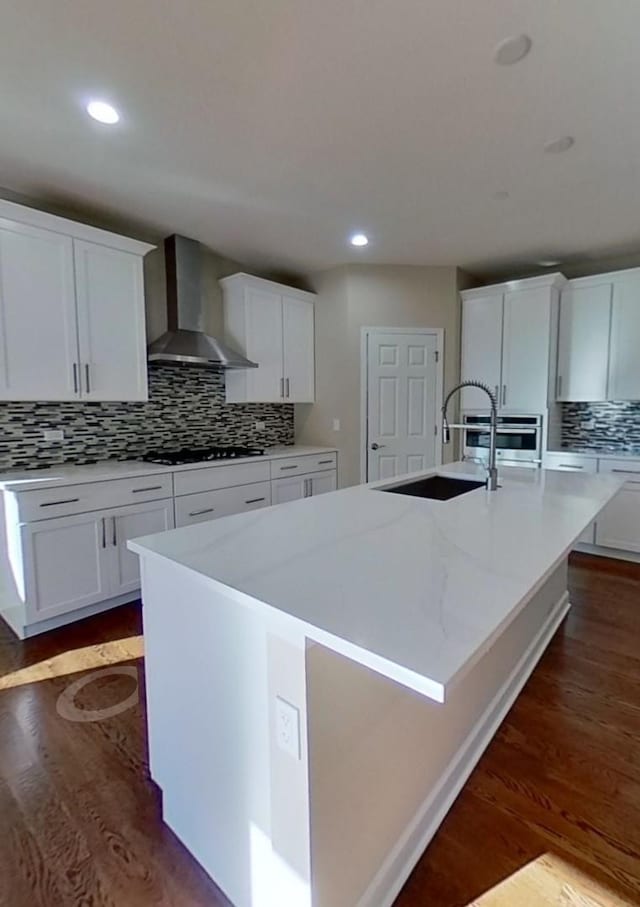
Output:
x,y
272,325
298,349
38,341
526,338
583,341
508,343
600,337
481,345
111,329
624,357
71,310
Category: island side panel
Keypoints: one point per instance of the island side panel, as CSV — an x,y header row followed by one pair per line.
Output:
x,y
209,686
386,763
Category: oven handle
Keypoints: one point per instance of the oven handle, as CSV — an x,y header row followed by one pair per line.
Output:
x,y
512,430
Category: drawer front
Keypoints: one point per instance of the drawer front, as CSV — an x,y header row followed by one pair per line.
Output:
x,y
298,465
209,505
210,478
626,469
570,462
69,499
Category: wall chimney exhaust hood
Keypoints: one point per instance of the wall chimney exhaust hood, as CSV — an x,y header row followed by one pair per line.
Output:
x,y
185,342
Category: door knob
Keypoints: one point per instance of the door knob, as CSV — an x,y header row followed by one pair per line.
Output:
x,y
375,446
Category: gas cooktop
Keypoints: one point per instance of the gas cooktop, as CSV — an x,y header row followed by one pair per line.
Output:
x,y
199,455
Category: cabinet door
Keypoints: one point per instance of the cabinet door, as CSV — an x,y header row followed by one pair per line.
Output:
x,y
481,347
263,314
624,361
111,329
299,364
66,564
322,482
130,523
618,525
38,338
569,462
583,342
526,337
291,489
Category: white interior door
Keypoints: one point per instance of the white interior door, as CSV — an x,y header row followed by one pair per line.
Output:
x,y
401,403
111,328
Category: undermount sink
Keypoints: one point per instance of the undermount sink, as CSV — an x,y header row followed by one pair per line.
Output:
x,y
438,488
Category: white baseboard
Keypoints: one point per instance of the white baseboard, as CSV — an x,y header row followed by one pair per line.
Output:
x,y
396,869
62,619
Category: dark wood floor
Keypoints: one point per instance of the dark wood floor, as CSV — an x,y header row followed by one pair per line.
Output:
x,y
551,816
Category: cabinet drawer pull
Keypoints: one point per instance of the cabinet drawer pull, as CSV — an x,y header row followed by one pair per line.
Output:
x,y
114,534
628,472
255,500
295,466
104,532
570,466
75,377
200,512
56,503
148,488
323,462
87,376
288,394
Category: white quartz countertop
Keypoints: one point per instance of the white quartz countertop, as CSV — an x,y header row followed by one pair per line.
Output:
x,y
414,588
68,474
598,454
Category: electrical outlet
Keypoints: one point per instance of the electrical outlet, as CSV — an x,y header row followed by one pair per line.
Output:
x,y
260,426
288,727
336,424
54,434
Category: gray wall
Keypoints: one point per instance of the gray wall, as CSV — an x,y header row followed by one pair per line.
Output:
x,y
356,296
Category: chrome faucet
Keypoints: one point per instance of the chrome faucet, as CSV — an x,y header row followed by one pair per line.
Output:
x,y
492,472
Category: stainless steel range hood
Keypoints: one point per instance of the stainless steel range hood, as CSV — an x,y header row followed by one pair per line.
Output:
x,y
185,342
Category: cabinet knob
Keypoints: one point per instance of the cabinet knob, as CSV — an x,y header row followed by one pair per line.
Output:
x,y
376,446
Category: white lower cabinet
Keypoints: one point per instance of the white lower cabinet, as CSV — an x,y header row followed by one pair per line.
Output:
x,y
618,525
209,505
74,561
63,564
322,482
570,462
292,488
130,523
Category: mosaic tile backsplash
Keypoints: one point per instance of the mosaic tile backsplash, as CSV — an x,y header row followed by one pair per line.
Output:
x,y
611,426
186,407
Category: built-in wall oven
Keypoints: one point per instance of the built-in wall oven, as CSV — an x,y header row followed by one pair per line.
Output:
x,y
519,439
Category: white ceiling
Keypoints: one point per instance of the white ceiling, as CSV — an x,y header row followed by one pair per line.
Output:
x,y
271,129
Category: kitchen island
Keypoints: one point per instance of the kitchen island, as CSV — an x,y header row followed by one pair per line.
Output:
x,y
322,676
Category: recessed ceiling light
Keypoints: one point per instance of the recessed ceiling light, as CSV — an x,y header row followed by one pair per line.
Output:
x,y
560,145
512,50
103,112
501,195
359,239
548,262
